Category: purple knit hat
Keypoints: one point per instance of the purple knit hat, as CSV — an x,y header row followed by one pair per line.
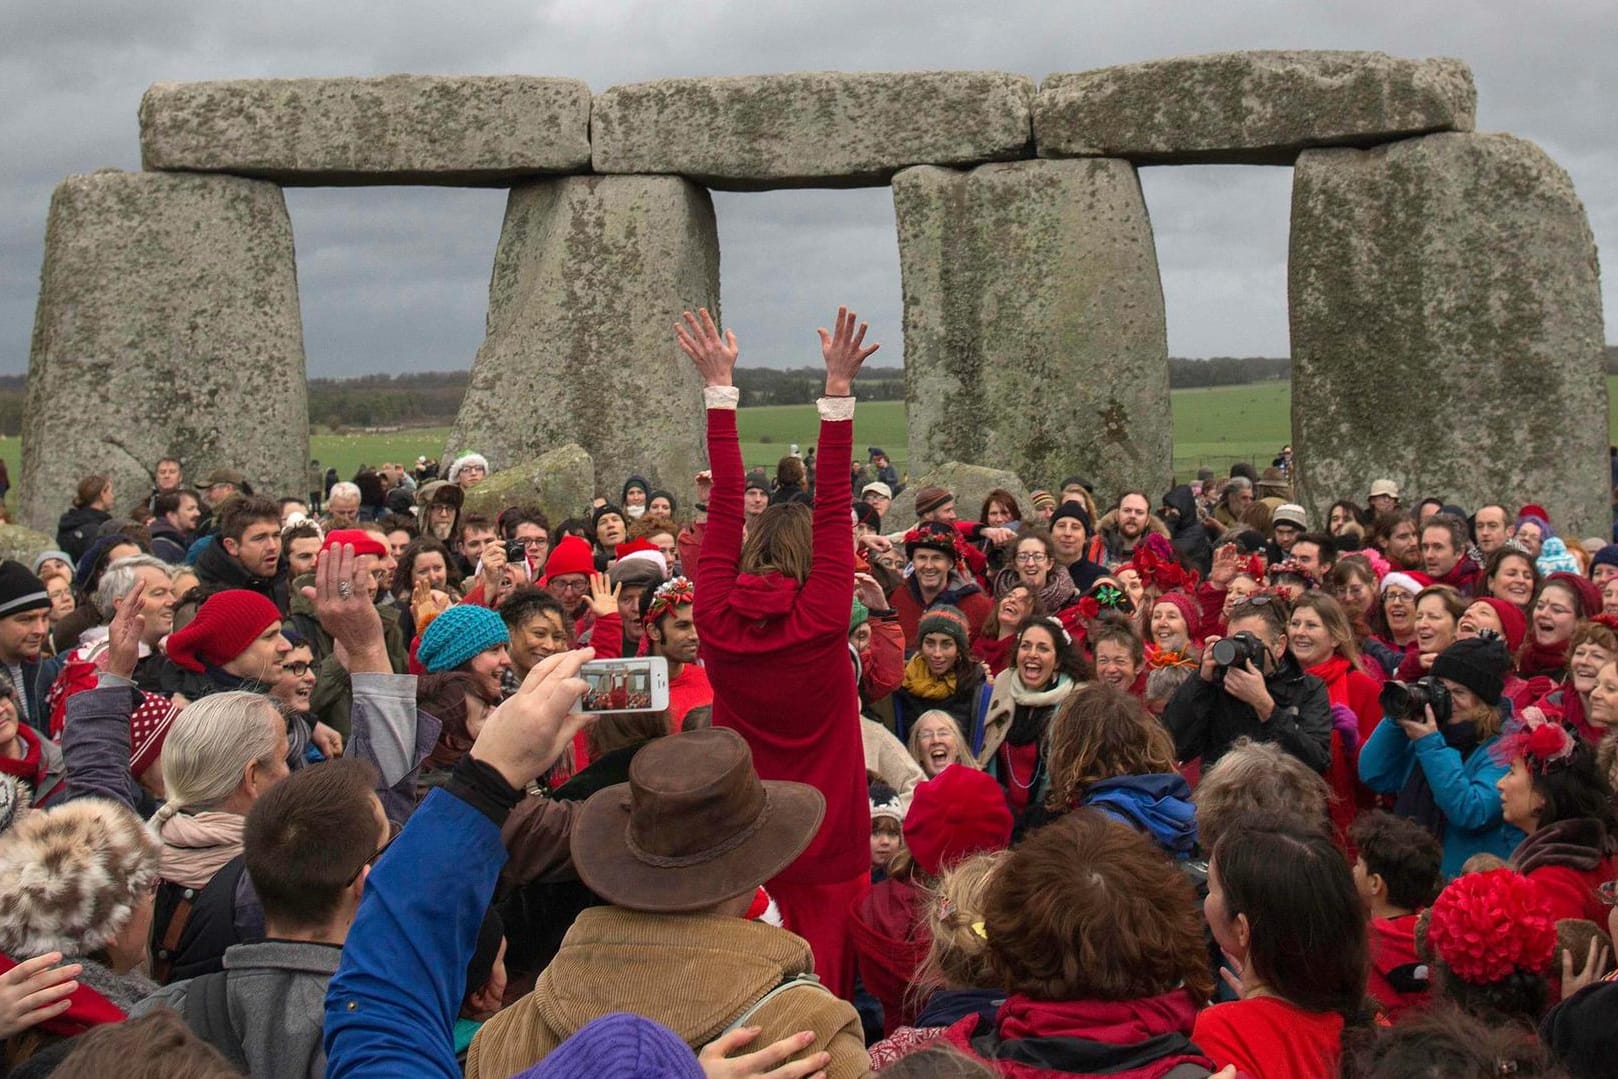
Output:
x,y
619,1046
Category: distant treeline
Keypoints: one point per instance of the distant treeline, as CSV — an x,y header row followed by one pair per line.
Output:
x,y
432,398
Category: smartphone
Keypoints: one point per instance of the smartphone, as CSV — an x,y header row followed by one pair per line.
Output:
x,y
638,684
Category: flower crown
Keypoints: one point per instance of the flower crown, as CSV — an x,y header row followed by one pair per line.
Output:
x,y
935,536
672,593
1291,568
1486,925
1157,658
1162,570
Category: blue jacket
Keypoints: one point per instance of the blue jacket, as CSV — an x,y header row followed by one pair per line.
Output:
x,y
1464,790
392,1005
1159,805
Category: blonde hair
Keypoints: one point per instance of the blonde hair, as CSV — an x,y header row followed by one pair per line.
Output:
x,y
963,751
780,541
210,746
958,956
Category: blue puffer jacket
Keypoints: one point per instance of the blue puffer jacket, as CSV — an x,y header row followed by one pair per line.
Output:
x,y
1159,805
1464,790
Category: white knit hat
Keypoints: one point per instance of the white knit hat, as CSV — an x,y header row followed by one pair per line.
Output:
x,y
467,459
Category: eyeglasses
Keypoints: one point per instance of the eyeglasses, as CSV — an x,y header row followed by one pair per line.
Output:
x,y
394,828
569,586
534,541
1031,556
298,668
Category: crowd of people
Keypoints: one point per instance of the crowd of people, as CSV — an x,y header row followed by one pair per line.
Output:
x,y
1175,787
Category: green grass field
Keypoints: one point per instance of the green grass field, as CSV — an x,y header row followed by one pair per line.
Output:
x,y
1212,427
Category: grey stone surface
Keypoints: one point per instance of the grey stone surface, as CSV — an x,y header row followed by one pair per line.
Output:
x,y
1033,323
810,129
396,129
167,325
970,484
589,277
1249,107
561,482
1446,328
24,544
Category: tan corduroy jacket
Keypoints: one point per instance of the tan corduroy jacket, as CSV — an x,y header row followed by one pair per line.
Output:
x,y
694,973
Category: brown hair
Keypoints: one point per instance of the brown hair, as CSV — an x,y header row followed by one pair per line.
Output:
x,y
1344,570
650,524
1006,499
1119,630
1498,557
1442,1040
243,511
1087,908
1335,621
780,540
474,522
1595,633
1403,853
624,729
89,489
1100,733
1454,602
790,470
158,1045
1271,607
1258,777
306,838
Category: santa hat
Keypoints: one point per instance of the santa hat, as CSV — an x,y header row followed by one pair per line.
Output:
x,y
1409,580
642,550
468,459
225,624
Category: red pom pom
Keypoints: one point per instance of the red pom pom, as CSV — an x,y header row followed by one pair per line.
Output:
x,y
1486,925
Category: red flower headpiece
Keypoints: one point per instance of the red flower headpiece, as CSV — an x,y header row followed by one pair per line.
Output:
x,y
940,537
1290,567
672,593
1105,596
1254,567
1545,748
1158,658
1161,570
1610,621
1485,925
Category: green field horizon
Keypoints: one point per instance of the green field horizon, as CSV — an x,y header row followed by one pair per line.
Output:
x,y
1213,427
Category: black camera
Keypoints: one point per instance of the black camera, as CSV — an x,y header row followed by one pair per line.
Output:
x,y
1239,649
1410,700
515,551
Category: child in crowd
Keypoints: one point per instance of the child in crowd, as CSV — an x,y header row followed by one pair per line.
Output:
x,y
1397,875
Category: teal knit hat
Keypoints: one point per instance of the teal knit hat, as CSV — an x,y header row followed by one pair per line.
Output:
x,y
858,616
459,634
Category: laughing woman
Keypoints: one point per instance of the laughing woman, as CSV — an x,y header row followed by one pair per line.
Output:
x,y
942,675
1045,671
936,742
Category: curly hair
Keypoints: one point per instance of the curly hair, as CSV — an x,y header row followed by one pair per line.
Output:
x,y
1070,658
1102,732
1087,908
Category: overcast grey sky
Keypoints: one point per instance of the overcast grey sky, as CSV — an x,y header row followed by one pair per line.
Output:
x,y
396,278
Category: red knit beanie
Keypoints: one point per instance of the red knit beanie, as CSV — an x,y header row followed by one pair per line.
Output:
x,y
1513,625
572,555
363,542
225,624
1189,609
1589,596
957,813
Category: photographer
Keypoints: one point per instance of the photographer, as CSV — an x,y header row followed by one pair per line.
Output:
x,y
1251,687
1433,749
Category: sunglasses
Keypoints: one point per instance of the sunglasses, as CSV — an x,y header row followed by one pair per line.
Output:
x,y
394,828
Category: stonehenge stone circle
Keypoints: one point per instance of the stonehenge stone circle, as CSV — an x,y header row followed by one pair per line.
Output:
x,y
1442,284
398,129
167,325
812,129
1252,108
1032,303
1446,327
590,275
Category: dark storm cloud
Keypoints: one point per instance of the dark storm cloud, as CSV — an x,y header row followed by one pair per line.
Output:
x,y
395,279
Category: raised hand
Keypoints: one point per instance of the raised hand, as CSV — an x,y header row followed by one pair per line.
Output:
x,y
713,355
344,610
1227,561
523,736
868,592
603,595
844,350
125,633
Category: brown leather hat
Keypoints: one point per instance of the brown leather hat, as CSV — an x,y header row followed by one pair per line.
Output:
x,y
693,827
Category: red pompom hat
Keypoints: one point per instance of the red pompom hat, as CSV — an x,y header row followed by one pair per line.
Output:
x,y
226,623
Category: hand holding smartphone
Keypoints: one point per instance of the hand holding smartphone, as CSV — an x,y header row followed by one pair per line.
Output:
x,y
637,684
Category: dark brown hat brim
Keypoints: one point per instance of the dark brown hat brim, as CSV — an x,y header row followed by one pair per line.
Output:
x,y
611,870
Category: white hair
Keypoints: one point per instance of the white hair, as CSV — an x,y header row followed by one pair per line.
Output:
x,y
210,746
120,577
344,489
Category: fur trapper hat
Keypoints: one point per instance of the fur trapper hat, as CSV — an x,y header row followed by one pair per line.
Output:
x,y
74,873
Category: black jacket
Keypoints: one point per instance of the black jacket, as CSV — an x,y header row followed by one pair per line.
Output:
x,y
218,572
78,528
168,542
1190,539
1205,720
1581,1033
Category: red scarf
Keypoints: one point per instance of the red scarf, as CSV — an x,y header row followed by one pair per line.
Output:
x,y
30,768
1547,659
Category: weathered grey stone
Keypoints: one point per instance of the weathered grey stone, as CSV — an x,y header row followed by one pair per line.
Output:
x,y
397,129
23,545
970,484
167,325
1033,324
1257,108
589,278
1446,328
561,482
810,129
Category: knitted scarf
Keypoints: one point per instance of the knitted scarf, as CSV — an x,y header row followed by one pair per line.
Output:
x,y
197,845
30,767
1546,659
1058,592
1034,706
920,681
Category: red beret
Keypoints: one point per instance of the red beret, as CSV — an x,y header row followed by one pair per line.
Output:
x,y
957,813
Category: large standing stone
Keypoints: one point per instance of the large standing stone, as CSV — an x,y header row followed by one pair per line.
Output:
x,y
1033,324
1446,328
590,276
19,544
970,484
810,129
561,482
167,325
398,129
1255,108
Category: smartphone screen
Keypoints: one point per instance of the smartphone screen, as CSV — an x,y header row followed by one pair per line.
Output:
x,y
638,684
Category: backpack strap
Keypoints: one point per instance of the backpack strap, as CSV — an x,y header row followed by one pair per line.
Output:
x,y
207,1013
169,946
793,982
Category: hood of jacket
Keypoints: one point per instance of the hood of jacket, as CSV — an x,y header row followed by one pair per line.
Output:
x,y
760,596
1129,1039
1182,501
1578,842
1158,804
215,565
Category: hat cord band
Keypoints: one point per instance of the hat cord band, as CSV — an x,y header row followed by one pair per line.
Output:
x,y
665,861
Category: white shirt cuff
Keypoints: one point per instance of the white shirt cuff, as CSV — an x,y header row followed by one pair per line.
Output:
x,y
721,397
836,408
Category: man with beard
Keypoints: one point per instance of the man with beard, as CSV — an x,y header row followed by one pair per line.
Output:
x,y
1397,537
1128,526
247,551
667,615
937,578
441,509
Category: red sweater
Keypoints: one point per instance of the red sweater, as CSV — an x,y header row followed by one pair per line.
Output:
x,y
777,652
1270,1039
1399,979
